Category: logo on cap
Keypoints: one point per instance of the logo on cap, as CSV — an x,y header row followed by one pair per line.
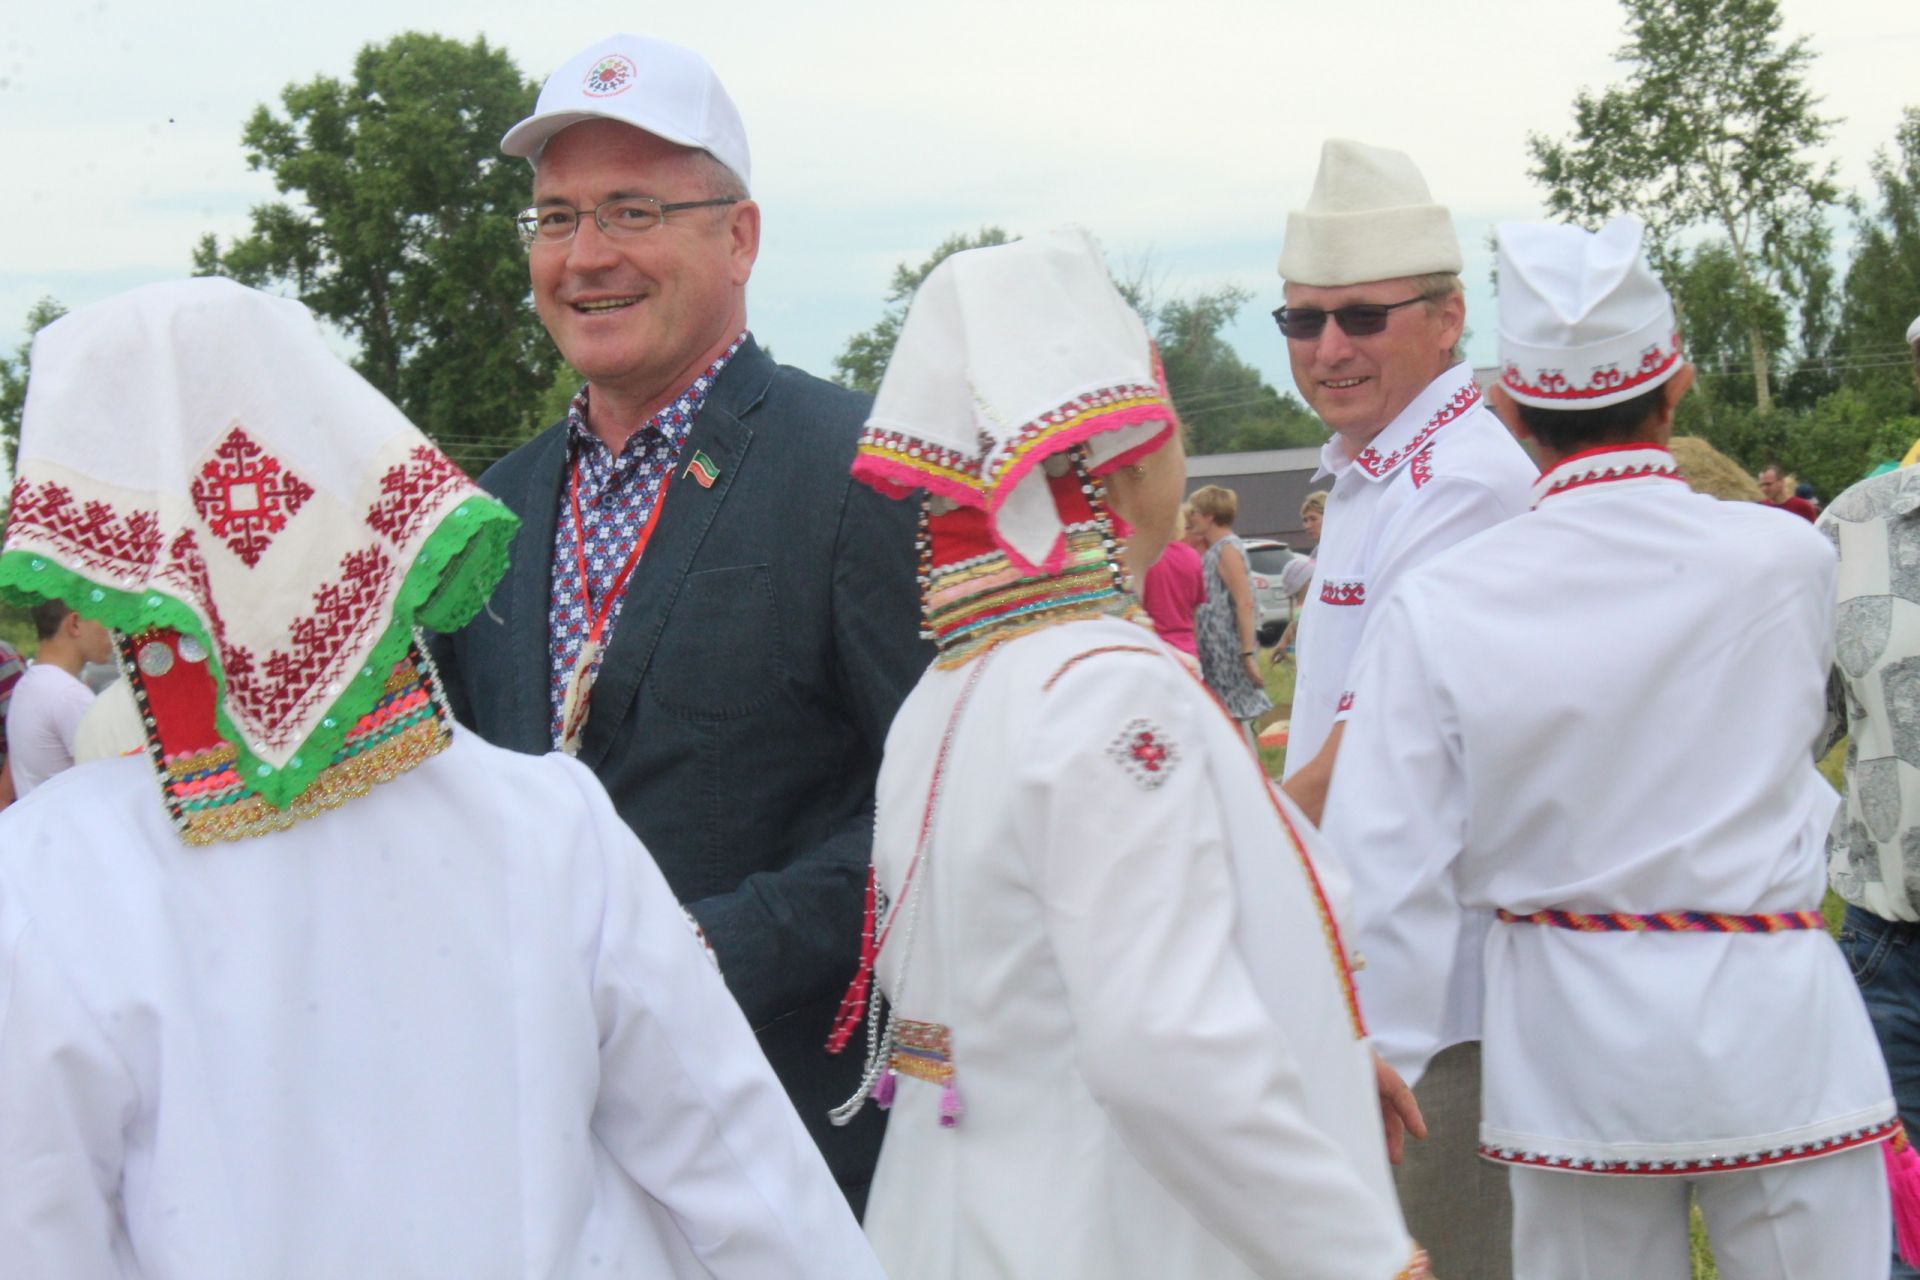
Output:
x,y
612,74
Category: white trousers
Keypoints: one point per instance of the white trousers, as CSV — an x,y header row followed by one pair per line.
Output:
x,y
1823,1219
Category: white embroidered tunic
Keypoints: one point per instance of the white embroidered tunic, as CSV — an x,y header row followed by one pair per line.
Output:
x,y
1121,965
1440,472
458,1027
1608,706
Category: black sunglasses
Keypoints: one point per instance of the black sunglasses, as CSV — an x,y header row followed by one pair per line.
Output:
x,y
1362,319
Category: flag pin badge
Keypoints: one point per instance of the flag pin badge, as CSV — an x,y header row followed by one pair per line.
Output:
x,y
702,469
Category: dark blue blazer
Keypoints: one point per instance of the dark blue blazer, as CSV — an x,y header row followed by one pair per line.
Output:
x,y
768,636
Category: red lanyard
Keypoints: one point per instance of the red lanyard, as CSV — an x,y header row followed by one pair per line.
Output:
x,y
599,616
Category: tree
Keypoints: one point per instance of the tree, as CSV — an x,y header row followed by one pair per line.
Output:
x,y
860,364
1882,288
1715,129
1221,398
13,377
402,233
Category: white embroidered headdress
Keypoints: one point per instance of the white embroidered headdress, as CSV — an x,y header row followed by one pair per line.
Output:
x,y
193,457
1011,354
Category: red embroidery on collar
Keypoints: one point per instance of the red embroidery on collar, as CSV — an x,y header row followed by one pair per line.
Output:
x,y
1421,468
1606,464
1343,593
1376,464
1603,380
246,496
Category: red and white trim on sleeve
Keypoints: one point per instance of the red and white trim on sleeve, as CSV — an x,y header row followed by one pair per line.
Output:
x,y
1343,591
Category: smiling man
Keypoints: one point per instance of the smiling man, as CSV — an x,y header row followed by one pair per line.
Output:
x,y
702,607
1372,321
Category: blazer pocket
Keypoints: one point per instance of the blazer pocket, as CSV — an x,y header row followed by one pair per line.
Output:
x,y
720,655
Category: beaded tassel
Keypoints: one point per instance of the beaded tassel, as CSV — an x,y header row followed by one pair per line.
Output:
x,y
883,1090
1903,1180
951,1108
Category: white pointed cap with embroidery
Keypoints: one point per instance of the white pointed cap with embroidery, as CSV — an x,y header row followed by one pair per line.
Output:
x,y
661,88
1010,354
1583,321
1370,217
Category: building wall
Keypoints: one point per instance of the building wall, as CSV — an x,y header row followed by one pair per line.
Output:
x,y
1271,485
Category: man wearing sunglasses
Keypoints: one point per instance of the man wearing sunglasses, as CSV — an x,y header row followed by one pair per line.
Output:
x,y
701,606
1373,316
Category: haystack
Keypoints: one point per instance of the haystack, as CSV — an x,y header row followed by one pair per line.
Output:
x,y
1712,472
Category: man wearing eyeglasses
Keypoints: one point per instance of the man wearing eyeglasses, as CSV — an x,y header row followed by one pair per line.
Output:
x,y
701,606
1373,315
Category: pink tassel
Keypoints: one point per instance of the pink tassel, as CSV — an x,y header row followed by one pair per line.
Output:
x,y
1903,1180
883,1090
951,1108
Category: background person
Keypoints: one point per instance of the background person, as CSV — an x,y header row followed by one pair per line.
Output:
x,y
702,605
1173,591
49,698
1312,512
320,985
1779,493
1225,628
1099,900
11,667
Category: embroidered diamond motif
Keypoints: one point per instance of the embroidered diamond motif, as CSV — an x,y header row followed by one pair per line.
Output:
x,y
246,496
1145,753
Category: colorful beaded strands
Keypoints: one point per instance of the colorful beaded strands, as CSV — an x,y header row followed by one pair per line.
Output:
x,y
973,597
200,775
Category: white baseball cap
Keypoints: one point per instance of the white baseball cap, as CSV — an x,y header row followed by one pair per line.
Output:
x,y
1583,321
661,88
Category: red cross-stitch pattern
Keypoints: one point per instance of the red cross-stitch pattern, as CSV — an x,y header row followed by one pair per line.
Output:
x,y
1145,752
272,694
1602,380
93,535
1421,468
246,496
408,490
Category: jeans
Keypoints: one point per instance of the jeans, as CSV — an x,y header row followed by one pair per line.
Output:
x,y
1885,958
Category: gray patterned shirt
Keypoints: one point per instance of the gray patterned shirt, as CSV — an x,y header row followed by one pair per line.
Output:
x,y
1874,693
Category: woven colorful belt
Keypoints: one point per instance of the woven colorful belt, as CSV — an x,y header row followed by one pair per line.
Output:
x,y
1670,921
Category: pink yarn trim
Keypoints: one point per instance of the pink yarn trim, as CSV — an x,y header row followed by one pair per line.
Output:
x,y
898,479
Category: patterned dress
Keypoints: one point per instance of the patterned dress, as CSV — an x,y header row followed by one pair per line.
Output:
x,y
1218,635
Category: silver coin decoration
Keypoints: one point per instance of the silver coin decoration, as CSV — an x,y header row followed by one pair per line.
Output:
x,y
191,650
156,658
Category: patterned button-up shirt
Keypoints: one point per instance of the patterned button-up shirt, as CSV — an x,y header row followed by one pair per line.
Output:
x,y
1874,696
617,495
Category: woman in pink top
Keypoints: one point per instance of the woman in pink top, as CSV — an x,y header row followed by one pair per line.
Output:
x,y
1172,590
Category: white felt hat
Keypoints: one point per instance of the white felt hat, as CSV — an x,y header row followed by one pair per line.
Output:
x,y
1010,354
1370,217
662,88
1583,321
1913,331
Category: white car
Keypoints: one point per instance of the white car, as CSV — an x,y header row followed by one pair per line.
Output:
x,y
1272,607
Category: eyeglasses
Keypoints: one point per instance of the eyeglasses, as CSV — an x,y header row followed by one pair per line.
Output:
x,y
1361,320
620,217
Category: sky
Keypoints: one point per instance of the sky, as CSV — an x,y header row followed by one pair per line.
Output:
x,y
1179,133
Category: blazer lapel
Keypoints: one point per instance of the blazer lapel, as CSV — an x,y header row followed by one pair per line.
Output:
x,y
689,512
529,714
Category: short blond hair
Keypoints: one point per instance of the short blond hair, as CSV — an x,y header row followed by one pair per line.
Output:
x,y
1316,501
1217,504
